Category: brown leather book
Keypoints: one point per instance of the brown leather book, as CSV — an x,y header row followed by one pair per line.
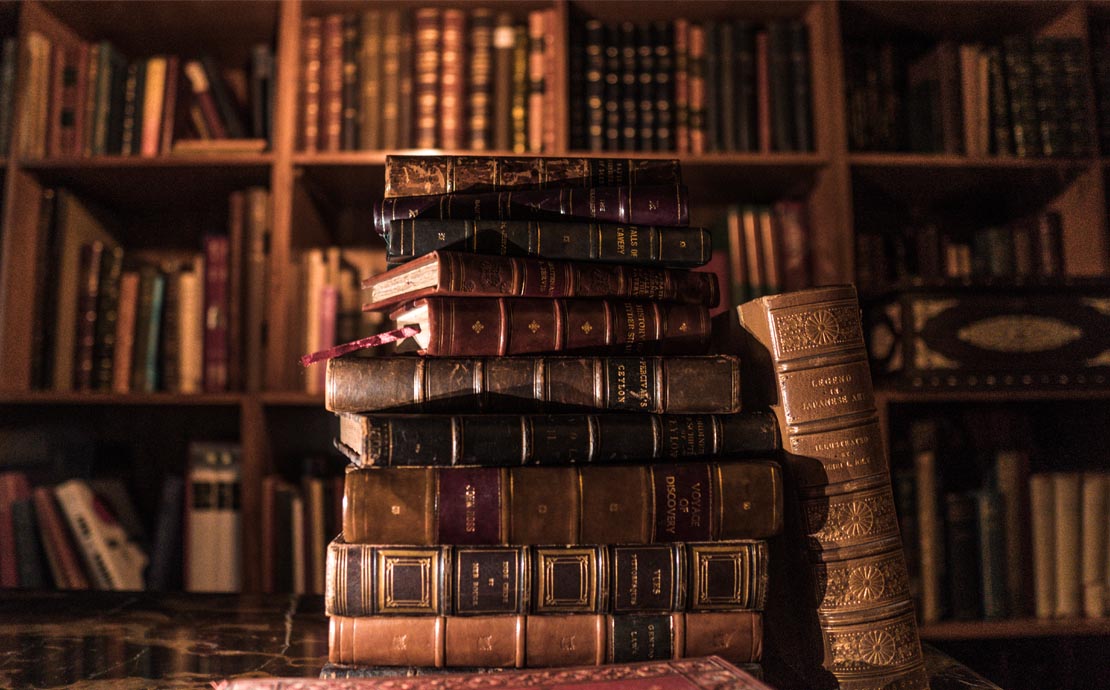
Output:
x,y
479,86
426,175
452,84
426,76
61,552
645,384
502,122
808,362
368,580
372,104
704,673
537,641
451,274
331,84
312,47
622,504
481,326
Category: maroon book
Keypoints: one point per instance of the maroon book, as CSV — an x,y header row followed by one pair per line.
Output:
x,y
704,673
216,277
483,326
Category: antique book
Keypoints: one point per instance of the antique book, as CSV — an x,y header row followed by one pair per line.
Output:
x,y
1067,489
708,673
618,504
1042,518
579,240
1094,551
481,326
339,671
808,361
639,205
645,384
427,26
432,175
535,641
367,580
57,541
961,535
331,83
1042,335
479,86
554,439
113,561
450,274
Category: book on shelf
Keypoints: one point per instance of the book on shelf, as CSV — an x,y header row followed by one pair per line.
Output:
x,y
515,641
367,580
112,560
563,505
213,518
647,384
451,274
680,674
509,439
806,358
644,245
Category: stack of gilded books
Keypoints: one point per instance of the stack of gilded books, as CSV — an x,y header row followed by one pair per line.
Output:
x,y
559,474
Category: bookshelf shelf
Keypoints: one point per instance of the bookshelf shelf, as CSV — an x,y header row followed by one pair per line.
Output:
x,y
1016,628
291,399
891,161
888,395
167,162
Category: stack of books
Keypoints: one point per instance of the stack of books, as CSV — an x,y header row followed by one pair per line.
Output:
x,y
559,475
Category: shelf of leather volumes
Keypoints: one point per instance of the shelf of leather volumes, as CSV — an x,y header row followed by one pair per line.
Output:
x,y
852,184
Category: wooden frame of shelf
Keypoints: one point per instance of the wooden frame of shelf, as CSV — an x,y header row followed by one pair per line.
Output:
x,y
1015,628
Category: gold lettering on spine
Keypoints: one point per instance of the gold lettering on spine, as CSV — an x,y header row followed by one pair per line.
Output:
x,y
471,516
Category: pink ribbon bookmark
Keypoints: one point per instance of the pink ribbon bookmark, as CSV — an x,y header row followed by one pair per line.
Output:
x,y
371,341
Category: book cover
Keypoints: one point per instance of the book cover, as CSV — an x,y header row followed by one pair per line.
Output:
x,y
213,535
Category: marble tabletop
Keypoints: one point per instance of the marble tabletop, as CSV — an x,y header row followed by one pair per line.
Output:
x,y
99,640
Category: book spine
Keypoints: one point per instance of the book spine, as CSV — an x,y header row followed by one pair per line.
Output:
x,y
962,551
107,316
929,520
1042,516
132,107
1094,554
647,205
1021,96
1068,523
123,355
563,505
452,84
713,96
169,105
726,71
216,316
479,87
154,98
992,554
802,95
406,82
646,384
426,75
373,104
682,83
793,229
312,47
506,440
331,83
61,553
746,116
103,96
202,93
1002,139
190,331
257,275
763,98
696,64
635,244
368,580
540,641
1011,470
170,344
536,80
349,120
55,123
84,356
809,352
473,275
436,175
662,84
229,111
91,75
7,91
391,76
262,88
461,326
502,123
782,88
1049,244
520,88
43,334
645,88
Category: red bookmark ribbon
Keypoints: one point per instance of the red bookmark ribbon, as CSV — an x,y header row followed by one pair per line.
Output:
x,y
362,343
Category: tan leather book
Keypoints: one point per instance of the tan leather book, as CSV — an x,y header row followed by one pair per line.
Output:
x,y
452,82
541,641
693,501
1042,516
1067,540
806,359
312,48
1095,518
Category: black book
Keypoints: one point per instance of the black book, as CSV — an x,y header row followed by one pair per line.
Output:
x,y
1002,140
726,49
782,87
595,105
662,37
348,128
262,90
962,548
803,95
1018,59
576,86
107,314
712,112
629,88
645,86
225,103
612,89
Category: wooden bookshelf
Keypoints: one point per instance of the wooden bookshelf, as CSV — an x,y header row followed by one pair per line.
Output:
x,y
1015,628
325,197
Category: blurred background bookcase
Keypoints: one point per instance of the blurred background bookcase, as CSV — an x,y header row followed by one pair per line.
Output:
x,y
865,190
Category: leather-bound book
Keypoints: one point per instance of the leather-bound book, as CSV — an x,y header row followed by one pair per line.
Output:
x,y
696,67
662,43
583,241
502,114
747,138
479,86
435,175
681,85
427,24
452,84
520,87
369,580
645,384
376,135
349,99
961,532
538,641
708,673
454,274
807,360
373,101
312,48
216,320
639,205
486,326
92,258
561,439
331,84
107,316
537,83
619,504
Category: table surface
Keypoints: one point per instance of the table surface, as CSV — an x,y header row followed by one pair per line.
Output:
x,y
95,640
